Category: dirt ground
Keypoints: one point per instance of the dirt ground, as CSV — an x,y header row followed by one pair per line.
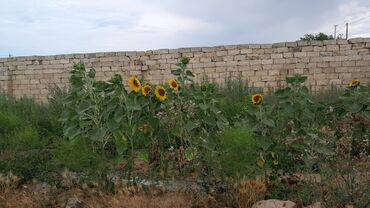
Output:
x,y
19,198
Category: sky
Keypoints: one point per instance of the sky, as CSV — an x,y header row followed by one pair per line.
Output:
x,y
48,27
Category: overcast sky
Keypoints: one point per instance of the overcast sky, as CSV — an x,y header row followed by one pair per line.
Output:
x,y
44,27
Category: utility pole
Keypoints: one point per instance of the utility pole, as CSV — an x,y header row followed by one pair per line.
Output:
x,y
347,31
335,32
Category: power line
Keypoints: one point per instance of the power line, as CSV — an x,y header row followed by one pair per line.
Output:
x,y
359,20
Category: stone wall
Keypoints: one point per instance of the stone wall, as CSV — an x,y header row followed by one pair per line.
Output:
x,y
326,63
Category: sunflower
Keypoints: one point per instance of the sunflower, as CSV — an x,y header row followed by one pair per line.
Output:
x,y
173,84
354,83
134,83
146,89
257,99
160,93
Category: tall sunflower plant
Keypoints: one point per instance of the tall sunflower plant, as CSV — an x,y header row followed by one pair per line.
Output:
x,y
196,109
140,116
355,105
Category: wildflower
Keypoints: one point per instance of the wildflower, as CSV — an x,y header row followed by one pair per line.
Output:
x,y
146,89
173,84
134,83
354,83
257,99
160,93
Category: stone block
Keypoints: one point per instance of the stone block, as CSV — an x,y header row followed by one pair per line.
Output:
x,y
288,55
266,45
363,63
276,56
307,48
282,50
300,54
332,48
239,57
303,43
279,45
222,53
254,46
233,52
291,44
267,61
245,51
342,41
330,42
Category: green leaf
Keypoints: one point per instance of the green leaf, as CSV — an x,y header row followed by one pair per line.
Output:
x,y
296,79
118,115
72,131
215,110
112,125
189,73
268,122
355,107
121,142
264,143
190,125
91,73
84,106
134,107
202,106
142,155
298,145
98,134
307,114
366,114
283,93
176,72
304,90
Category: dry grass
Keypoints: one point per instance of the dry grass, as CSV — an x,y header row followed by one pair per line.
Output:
x,y
173,200
245,193
17,198
11,198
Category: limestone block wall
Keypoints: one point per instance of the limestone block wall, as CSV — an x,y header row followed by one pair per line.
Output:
x,y
326,63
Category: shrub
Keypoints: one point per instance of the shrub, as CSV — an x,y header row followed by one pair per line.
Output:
x,y
28,134
79,156
238,152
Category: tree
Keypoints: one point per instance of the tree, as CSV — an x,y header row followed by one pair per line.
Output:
x,y
320,36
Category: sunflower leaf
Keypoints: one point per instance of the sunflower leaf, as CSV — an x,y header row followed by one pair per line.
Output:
x,y
189,73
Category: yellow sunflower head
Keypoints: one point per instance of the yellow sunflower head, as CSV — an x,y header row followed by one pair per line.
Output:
x,y
160,93
146,89
134,83
257,99
173,84
354,83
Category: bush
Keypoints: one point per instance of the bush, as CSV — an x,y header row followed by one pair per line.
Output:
x,y
79,156
319,36
28,135
238,153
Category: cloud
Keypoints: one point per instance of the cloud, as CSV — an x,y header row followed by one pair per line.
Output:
x,y
29,27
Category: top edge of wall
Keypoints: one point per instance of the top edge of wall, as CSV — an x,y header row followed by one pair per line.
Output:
x,y
192,49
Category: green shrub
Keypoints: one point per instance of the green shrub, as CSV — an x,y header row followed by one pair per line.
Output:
x,y
238,152
232,103
28,135
33,163
8,122
78,155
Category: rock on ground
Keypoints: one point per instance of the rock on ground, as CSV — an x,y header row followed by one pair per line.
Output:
x,y
274,203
